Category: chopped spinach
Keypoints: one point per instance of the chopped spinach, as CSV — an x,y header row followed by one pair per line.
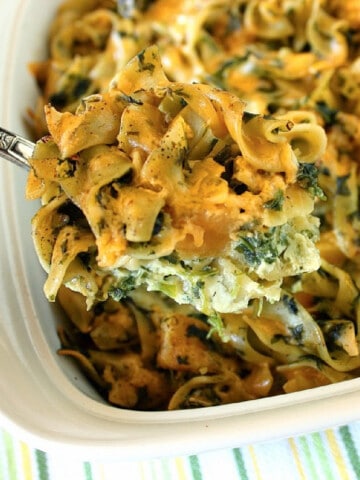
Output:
x,y
66,168
81,87
297,332
275,203
76,88
173,258
262,247
143,64
229,64
307,178
328,113
341,186
196,289
290,303
121,289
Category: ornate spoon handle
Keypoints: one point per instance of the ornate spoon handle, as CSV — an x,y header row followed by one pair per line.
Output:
x,y
14,148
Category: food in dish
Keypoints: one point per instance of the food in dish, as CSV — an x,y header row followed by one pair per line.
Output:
x,y
178,188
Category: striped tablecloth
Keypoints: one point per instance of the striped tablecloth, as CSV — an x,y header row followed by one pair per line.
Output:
x,y
329,455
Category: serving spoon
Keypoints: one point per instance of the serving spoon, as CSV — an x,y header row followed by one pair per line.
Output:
x,y
15,148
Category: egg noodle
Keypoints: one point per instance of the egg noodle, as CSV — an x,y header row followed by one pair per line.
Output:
x,y
197,165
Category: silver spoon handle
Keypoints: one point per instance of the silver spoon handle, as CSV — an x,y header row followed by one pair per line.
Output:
x,y
15,148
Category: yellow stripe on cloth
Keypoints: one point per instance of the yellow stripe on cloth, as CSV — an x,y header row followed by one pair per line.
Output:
x,y
26,461
255,462
180,468
298,462
337,455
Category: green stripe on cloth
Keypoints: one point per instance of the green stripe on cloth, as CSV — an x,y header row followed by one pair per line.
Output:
x,y
307,456
165,464
350,447
42,465
88,471
195,467
10,456
322,456
240,464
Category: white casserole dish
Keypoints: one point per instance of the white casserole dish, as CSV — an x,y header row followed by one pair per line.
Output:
x,y
44,399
